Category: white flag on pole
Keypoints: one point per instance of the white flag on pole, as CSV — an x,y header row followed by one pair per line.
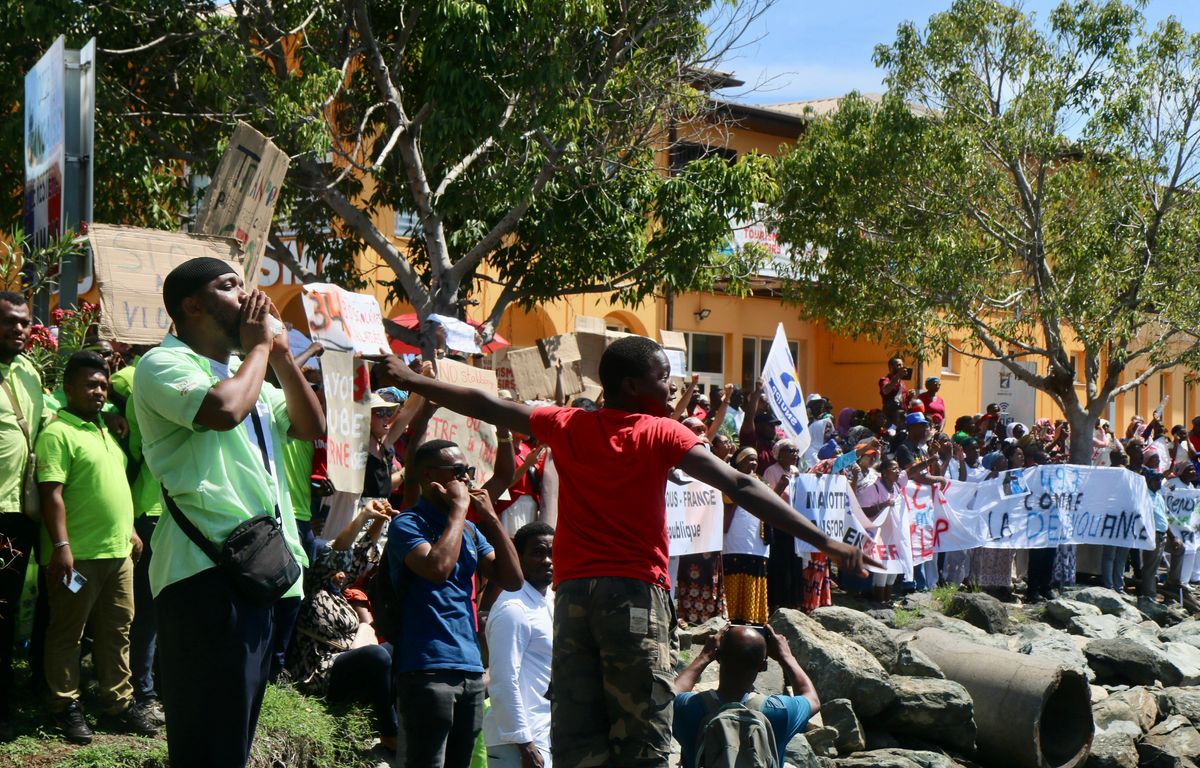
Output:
x,y
783,391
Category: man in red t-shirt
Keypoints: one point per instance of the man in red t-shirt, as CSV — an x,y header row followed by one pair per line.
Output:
x,y
611,674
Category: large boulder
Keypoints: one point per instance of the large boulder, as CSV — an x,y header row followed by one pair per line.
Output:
x,y
938,711
822,741
1125,660
958,627
1062,610
1109,602
839,715
838,667
1104,626
1186,632
868,632
1173,743
1180,701
1044,642
914,663
800,755
1185,659
1136,706
896,758
1163,614
695,636
1113,749
980,610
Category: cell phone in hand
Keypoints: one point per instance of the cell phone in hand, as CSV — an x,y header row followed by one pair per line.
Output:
x,y
906,374
75,581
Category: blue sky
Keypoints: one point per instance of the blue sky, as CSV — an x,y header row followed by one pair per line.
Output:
x,y
810,49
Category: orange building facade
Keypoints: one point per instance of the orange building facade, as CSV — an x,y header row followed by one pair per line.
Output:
x,y
729,336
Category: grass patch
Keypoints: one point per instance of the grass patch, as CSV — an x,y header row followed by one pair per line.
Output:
x,y
906,616
940,597
130,753
294,730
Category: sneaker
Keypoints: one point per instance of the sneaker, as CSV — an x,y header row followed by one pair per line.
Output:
x,y
134,720
152,710
72,724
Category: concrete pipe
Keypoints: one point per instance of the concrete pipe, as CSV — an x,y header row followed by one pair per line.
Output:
x,y
1029,712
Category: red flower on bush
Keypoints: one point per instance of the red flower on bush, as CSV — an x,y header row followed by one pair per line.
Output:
x,y
41,336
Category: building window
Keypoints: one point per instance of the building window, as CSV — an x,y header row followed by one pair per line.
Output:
x,y
706,353
949,360
1077,364
684,152
754,356
1137,395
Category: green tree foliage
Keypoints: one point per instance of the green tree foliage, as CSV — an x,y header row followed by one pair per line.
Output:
x,y
1018,186
527,134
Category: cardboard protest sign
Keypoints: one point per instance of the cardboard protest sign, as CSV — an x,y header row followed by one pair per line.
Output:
x,y
240,201
585,324
674,344
564,348
476,439
347,423
531,379
498,363
695,514
454,372
339,319
130,266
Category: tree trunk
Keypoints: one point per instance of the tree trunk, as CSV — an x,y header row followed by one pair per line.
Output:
x,y
1083,428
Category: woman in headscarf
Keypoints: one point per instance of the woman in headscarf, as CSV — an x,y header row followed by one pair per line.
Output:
x,y
744,555
845,420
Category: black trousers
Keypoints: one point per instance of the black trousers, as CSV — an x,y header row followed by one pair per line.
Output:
x,y
442,713
1041,570
214,653
20,531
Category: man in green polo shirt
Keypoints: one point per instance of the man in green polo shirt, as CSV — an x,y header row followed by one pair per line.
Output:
x,y
21,417
212,434
87,543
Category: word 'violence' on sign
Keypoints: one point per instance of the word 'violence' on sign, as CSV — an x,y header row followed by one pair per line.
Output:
x,y
131,264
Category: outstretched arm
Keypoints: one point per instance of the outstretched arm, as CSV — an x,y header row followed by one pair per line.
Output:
x,y
468,402
756,498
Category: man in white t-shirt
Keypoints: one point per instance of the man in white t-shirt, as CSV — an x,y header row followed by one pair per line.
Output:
x,y
520,627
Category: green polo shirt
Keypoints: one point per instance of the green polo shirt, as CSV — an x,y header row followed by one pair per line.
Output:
x,y
90,464
147,494
26,384
216,478
297,465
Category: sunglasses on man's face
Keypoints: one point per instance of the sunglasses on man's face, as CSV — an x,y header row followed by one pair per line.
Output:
x,y
461,471
384,413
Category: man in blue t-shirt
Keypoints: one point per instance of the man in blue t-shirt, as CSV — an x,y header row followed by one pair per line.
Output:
x,y
433,554
742,652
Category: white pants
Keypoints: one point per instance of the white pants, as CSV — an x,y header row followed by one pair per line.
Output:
x,y
508,756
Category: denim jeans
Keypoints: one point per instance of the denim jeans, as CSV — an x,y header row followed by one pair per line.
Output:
x,y
1112,567
142,635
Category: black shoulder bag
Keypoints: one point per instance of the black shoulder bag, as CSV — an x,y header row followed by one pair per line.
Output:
x,y
255,558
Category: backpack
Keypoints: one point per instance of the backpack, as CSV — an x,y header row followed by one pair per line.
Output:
x,y
736,735
387,602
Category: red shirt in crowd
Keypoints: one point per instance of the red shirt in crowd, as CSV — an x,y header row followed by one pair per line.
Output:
x,y
934,406
613,465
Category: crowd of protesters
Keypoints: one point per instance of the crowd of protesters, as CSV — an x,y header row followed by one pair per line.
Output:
x,y
521,621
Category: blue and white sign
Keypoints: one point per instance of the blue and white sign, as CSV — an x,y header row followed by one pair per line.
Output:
x,y
783,391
